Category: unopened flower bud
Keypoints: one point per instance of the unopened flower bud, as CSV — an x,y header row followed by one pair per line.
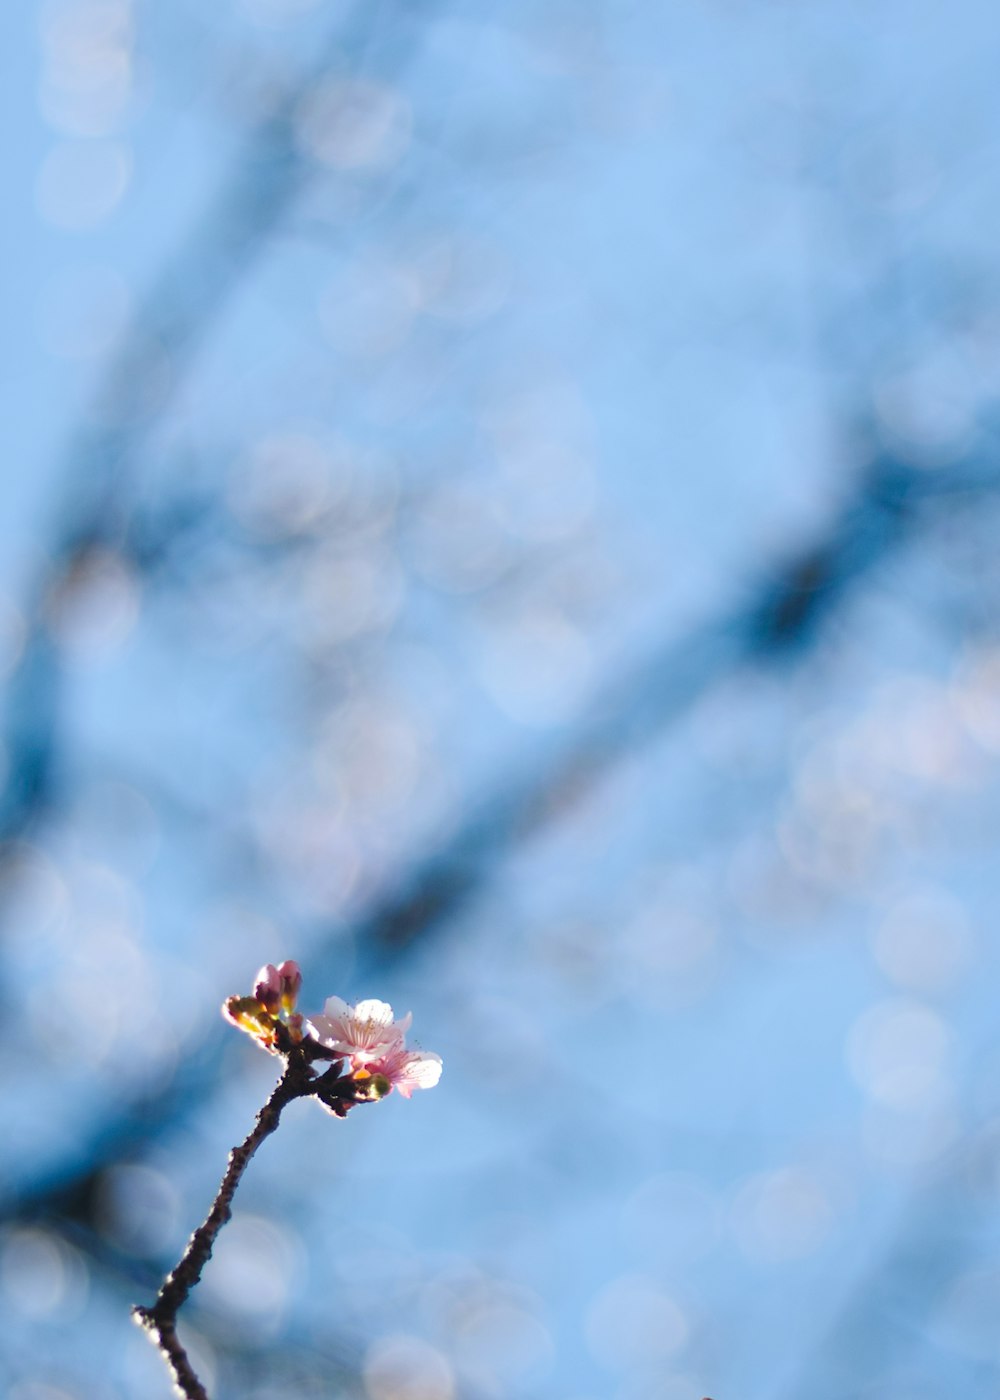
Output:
x,y
250,1015
290,984
269,1013
267,987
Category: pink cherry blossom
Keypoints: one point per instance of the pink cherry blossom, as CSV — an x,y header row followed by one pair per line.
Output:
x,y
366,1036
406,1070
364,1033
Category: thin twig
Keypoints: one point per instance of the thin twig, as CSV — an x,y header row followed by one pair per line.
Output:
x,y
160,1320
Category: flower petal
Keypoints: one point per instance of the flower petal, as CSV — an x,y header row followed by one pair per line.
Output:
x,y
378,1013
414,1069
423,1069
365,1032
336,1007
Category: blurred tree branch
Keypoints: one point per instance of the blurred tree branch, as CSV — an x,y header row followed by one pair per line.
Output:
x,y
153,360
891,503
778,620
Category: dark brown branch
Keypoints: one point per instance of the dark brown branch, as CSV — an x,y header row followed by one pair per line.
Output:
x,y
160,1320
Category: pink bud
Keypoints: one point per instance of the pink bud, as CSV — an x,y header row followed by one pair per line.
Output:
x,y
291,983
267,986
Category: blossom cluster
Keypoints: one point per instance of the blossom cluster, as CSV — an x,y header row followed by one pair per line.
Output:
x,y
366,1037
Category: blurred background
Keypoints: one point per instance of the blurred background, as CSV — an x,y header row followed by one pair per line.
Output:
x,y
501,505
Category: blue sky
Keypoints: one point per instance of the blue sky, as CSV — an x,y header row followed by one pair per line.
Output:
x,y
427,458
